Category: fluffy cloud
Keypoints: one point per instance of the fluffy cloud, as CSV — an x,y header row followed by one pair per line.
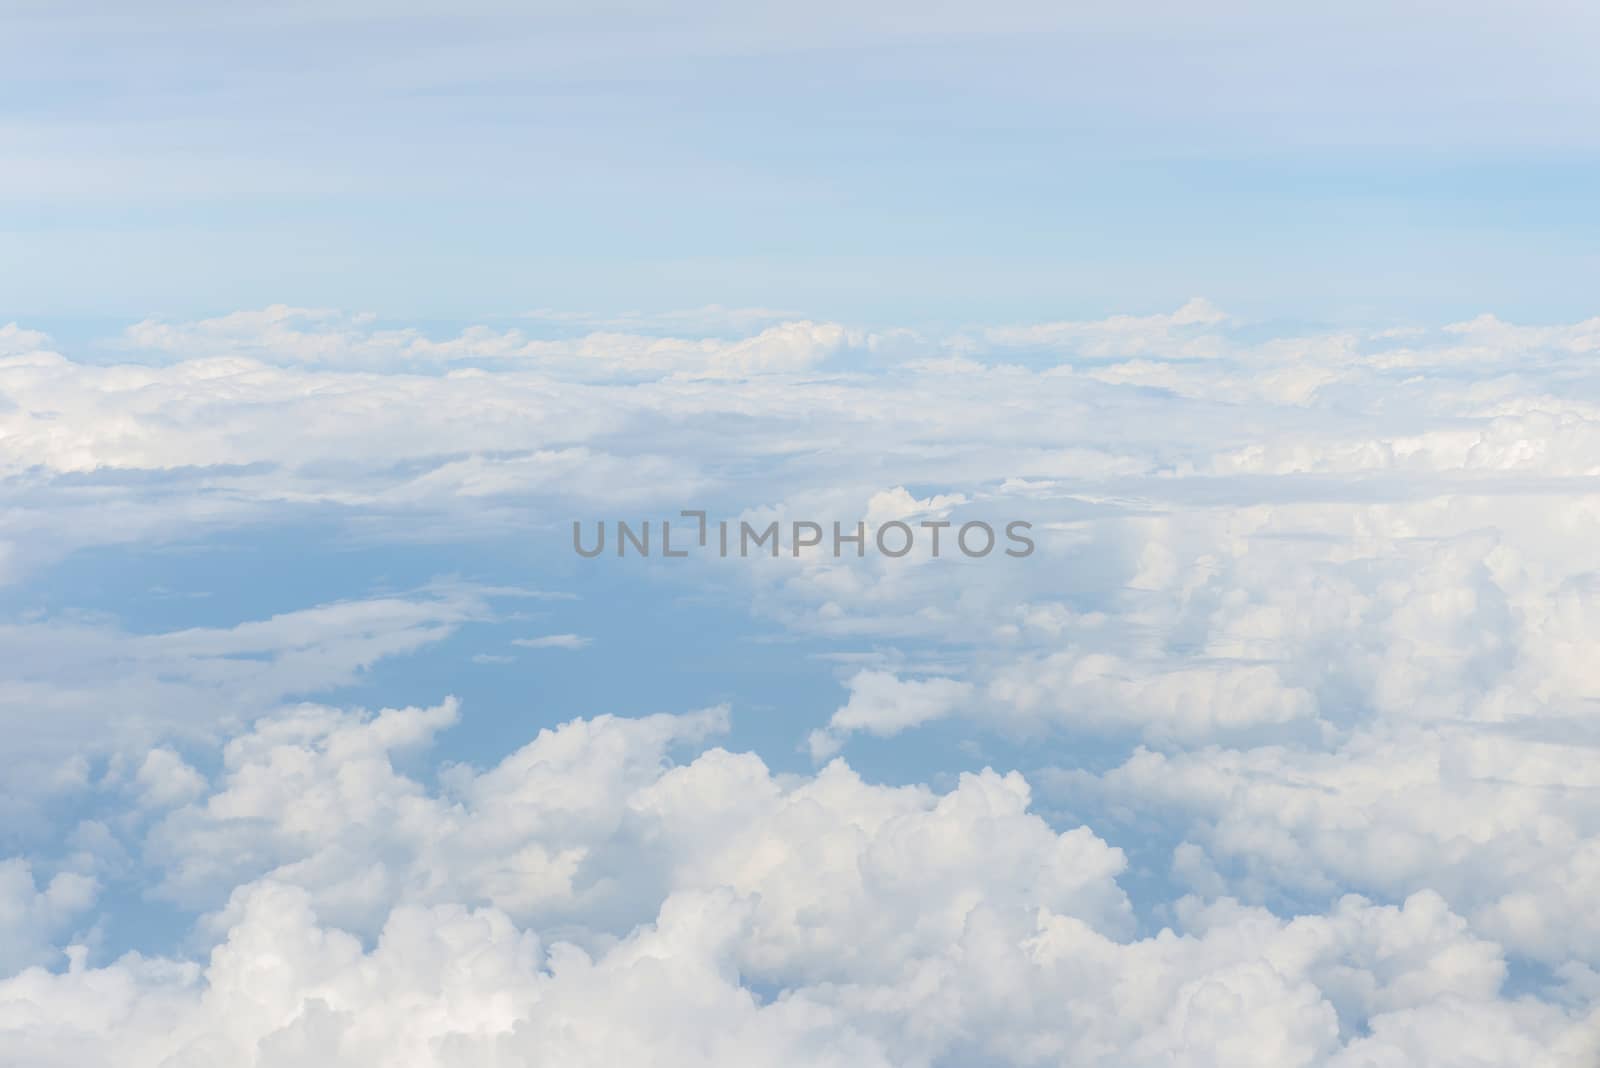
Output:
x,y
881,703
760,928
589,819
31,916
1275,752
1393,811
189,684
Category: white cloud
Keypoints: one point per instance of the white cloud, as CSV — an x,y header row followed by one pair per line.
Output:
x,y
15,341
1188,333
97,692
1007,941
165,779
1337,588
884,704
32,915
553,641
1500,824
284,335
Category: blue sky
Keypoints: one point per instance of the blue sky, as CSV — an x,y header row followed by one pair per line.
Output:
x,y
1365,163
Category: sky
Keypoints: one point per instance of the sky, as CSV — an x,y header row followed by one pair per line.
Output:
x,y
323,325
882,163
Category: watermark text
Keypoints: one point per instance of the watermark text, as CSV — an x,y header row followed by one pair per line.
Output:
x,y
695,534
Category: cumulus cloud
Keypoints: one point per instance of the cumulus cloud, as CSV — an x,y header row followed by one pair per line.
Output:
x,y
1393,811
882,703
755,929
463,434
33,915
81,692
165,778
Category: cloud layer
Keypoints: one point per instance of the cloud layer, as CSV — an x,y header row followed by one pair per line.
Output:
x,y
1277,751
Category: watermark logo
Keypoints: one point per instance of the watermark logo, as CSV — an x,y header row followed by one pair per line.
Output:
x,y
724,538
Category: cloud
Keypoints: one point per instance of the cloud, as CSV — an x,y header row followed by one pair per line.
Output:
x,y
32,915
553,641
1189,332
96,692
710,318
453,437
283,335
883,704
1275,752
1008,941
15,341
1390,812
165,779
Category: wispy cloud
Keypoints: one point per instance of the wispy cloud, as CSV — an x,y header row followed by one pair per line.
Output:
x,y
553,641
